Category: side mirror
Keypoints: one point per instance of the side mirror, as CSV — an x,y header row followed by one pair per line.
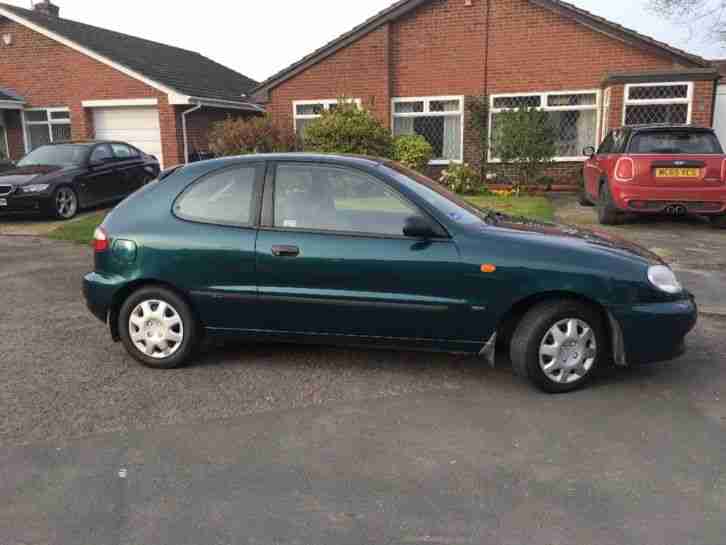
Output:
x,y
418,227
588,151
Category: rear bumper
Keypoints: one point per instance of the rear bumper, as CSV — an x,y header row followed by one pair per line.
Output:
x,y
656,331
697,200
100,291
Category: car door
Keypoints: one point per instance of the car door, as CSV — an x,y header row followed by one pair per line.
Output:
x,y
127,169
97,185
212,245
593,169
332,260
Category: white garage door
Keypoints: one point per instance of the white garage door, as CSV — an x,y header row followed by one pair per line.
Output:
x,y
139,126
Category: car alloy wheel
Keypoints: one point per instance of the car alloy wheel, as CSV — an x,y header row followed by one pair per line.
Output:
x,y
156,329
66,203
568,351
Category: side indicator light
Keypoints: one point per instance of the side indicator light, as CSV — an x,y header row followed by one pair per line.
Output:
x,y
488,268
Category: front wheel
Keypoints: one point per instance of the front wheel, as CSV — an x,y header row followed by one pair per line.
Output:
x,y
158,328
583,200
559,345
65,203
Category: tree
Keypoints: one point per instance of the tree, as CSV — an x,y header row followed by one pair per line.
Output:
x,y
525,139
348,129
699,15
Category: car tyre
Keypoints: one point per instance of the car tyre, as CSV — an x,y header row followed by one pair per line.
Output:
x,y
719,222
607,212
582,340
153,318
583,199
65,204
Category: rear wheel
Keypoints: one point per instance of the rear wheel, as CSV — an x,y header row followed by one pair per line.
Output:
x,y
583,200
559,345
157,328
719,222
607,212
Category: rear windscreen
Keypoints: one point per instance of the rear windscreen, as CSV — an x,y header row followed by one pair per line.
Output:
x,y
675,142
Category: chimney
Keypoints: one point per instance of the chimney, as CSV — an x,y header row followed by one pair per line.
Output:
x,y
46,7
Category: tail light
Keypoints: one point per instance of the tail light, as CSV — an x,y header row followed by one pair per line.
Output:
x,y
625,170
101,241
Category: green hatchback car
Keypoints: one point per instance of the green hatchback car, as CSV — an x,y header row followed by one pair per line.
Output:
x,y
361,251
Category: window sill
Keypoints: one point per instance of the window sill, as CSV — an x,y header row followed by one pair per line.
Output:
x,y
444,162
581,159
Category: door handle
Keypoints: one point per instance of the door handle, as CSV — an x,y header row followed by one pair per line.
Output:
x,y
285,251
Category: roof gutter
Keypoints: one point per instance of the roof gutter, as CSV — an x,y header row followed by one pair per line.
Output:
x,y
226,104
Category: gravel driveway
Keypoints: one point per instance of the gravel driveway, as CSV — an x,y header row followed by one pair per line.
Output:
x,y
278,444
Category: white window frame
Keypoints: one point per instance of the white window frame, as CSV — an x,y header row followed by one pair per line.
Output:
x,y
326,104
428,113
645,102
544,96
48,122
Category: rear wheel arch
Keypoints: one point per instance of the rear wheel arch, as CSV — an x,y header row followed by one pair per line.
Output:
x,y
123,294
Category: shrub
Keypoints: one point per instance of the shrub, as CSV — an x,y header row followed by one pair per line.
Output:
x,y
413,151
348,129
238,136
462,178
524,138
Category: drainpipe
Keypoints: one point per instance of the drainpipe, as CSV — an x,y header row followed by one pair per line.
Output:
x,y
184,131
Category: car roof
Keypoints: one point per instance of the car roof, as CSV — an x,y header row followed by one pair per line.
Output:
x,y
343,159
665,128
87,143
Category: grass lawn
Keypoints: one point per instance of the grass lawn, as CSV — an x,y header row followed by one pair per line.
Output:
x,y
79,231
538,208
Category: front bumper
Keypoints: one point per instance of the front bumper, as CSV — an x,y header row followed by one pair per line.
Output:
x,y
37,203
653,332
708,200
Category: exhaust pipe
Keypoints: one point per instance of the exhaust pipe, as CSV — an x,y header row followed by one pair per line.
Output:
x,y
670,210
676,210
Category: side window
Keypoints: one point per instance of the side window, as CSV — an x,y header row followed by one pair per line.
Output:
x,y
101,153
619,138
606,145
122,151
225,198
328,198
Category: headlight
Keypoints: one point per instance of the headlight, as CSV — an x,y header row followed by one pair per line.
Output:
x,y
664,279
34,188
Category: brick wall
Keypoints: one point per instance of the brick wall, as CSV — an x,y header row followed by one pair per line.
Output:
x,y
439,49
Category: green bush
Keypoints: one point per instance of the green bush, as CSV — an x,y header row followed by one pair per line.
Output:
x,y
413,151
240,136
348,129
525,139
462,178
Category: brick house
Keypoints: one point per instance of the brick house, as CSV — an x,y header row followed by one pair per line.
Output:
x,y
60,80
419,64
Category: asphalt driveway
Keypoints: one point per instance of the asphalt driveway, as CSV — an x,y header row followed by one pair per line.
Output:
x,y
277,444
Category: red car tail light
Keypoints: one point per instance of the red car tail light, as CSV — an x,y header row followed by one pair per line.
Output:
x,y
625,170
101,242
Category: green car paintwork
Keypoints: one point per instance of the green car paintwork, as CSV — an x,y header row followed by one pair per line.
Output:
x,y
392,291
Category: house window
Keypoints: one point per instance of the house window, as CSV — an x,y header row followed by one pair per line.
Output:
x,y
305,111
658,103
43,126
440,120
573,115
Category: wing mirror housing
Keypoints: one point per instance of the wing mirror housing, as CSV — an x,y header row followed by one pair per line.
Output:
x,y
418,227
588,151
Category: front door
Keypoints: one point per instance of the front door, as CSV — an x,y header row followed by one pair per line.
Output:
x,y
334,261
99,183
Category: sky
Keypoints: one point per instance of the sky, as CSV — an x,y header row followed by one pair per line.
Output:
x,y
258,38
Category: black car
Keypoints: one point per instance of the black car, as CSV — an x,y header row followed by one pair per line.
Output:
x,y
60,179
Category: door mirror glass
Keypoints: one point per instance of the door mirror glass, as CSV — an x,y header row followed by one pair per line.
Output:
x,y
589,151
418,227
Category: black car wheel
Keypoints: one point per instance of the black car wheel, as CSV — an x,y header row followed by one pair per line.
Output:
x,y
607,212
158,328
559,345
65,203
583,200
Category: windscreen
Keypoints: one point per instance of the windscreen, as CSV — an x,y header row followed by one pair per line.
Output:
x,y
59,155
677,142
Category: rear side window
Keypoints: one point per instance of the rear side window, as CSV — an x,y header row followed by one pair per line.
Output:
x,y
224,198
675,143
122,151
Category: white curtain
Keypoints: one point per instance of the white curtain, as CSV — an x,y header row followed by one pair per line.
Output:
x,y
586,127
452,137
402,125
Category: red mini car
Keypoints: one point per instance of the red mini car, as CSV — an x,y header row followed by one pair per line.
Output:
x,y
674,170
